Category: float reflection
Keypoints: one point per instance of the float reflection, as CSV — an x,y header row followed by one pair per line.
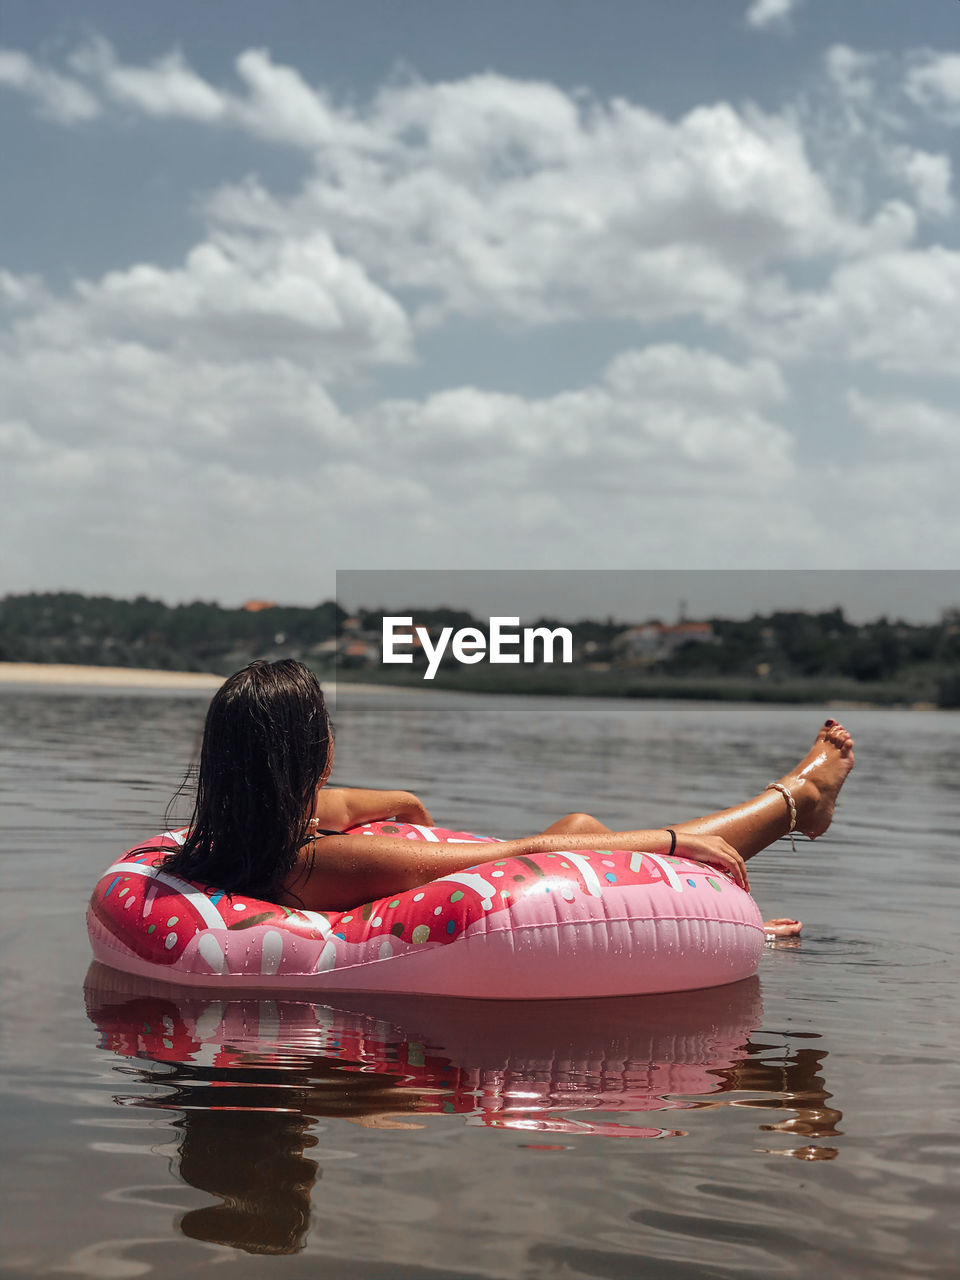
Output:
x,y
251,1077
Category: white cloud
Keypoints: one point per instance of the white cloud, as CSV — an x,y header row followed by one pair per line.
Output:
x,y
910,427
495,197
902,495
492,198
58,97
933,82
851,71
234,296
199,463
766,13
520,203
206,414
168,87
857,128
927,175
686,417
892,310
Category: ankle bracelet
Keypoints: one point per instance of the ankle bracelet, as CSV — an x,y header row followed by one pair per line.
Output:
x,y
791,804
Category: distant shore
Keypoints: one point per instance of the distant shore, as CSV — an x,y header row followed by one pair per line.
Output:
x,y
825,691
834,691
63,673
69,674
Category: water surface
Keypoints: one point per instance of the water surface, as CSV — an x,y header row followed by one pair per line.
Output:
x,y
800,1124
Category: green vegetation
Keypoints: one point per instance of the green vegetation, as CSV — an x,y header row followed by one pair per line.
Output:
x,y
780,657
101,631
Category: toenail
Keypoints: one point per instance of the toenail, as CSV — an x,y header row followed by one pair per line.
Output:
x,y
830,723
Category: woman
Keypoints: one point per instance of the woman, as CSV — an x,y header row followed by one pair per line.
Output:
x,y
266,824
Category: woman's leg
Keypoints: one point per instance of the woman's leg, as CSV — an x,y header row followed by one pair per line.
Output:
x,y
814,785
756,823
575,824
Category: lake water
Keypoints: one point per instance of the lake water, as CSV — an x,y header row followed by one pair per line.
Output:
x,y
801,1124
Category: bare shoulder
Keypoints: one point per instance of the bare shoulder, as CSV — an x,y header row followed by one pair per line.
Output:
x,y
331,808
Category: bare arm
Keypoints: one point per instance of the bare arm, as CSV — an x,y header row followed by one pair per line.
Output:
x,y
341,872
337,808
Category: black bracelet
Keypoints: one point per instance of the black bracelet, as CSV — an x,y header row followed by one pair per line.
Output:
x,y
673,840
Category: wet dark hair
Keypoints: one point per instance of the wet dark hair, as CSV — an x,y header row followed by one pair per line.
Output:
x,y
266,748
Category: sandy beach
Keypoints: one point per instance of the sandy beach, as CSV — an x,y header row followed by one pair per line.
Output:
x,y
62,673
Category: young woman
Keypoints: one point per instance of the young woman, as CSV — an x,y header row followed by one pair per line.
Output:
x,y
266,824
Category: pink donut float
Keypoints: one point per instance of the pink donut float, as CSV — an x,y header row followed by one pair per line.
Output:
x,y
606,922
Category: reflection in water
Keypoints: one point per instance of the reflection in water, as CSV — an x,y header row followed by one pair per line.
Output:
x,y
254,1163
788,1078
250,1077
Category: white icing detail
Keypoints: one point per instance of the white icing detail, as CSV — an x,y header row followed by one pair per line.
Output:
x,y
487,903
211,950
170,941
386,951
148,897
318,920
472,881
673,880
328,958
179,837
636,861
199,901
590,878
426,832
271,951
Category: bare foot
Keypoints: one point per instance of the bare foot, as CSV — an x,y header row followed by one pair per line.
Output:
x,y
817,779
781,927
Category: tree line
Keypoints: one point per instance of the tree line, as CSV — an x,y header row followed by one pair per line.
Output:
x,y
200,636
205,636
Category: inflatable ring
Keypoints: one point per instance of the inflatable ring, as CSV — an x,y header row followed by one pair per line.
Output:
x,y
606,922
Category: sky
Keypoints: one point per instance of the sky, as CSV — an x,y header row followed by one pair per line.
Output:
x,y
864,595
316,285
